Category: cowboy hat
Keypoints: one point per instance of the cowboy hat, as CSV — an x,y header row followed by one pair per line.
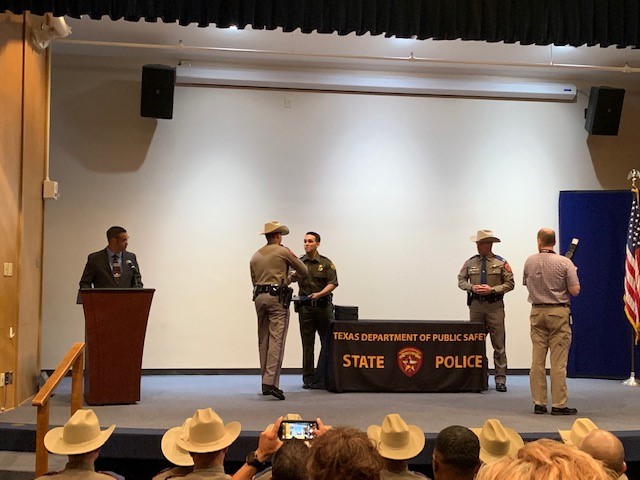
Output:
x,y
171,450
288,416
81,434
497,441
580,429
274,226
207,433
395,439
484,236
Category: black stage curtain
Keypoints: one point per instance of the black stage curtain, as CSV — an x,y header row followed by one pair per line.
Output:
x,y
540,22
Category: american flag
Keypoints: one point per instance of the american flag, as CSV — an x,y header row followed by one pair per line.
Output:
x,y
632,275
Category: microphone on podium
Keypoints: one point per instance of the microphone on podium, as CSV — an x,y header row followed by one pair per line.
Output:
x,y
137,278
135,269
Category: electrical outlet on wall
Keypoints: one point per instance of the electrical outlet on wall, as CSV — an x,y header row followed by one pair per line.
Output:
x,y
2,379
8,378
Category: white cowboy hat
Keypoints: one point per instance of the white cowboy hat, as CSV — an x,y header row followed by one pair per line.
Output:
x,y
580,429
171,450
81,434
395,439
484,236
274,226
497,441
207,433
288,416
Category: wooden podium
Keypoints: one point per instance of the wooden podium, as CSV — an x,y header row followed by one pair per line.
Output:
x,y
115,325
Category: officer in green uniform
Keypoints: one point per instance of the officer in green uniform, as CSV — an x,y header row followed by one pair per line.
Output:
x,y
487,277
315,308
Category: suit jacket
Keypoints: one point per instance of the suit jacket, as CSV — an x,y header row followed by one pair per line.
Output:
x,y
97,272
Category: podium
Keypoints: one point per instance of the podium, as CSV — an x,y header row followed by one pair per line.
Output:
x,y
115,326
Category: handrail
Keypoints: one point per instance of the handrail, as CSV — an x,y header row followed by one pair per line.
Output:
x,y
74,361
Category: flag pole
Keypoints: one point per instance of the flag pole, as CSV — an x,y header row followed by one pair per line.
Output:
x,y
631,381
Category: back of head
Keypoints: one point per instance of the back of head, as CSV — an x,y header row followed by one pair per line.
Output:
x,y
546,237
607,448
344,453
552,460
289,461
458,448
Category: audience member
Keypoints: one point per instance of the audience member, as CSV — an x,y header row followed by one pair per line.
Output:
x,y
80,439
175,454
344,453
580,429
456,454
497,441
289,461
607,448
397,442
549,460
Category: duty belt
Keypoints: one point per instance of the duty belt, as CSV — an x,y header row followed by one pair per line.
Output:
x,y
315,302
270,289
491,298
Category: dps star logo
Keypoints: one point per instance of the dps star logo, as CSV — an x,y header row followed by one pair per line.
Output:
x,y
409,360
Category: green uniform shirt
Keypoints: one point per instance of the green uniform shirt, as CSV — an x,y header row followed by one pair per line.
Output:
x,y
322,272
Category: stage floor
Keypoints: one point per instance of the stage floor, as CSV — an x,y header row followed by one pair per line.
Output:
x,y
168,400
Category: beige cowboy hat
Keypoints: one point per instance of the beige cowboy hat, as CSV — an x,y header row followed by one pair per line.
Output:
x,y
206,433
274,226
484,236
580,429
81,434
497,441
288,416
171,450
395,439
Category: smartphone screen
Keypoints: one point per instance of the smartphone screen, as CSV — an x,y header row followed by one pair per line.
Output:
x,y
300,429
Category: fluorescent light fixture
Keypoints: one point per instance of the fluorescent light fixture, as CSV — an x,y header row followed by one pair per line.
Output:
x,y
370,83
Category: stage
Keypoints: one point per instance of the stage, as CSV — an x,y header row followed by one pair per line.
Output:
x,y
167,400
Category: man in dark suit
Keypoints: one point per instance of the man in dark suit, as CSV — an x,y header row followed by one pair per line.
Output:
x,y
112,267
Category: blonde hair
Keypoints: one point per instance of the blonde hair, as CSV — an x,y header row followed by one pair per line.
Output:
x,y
546,459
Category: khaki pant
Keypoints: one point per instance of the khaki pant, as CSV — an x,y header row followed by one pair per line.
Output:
x,y
550,331
273,323
492,315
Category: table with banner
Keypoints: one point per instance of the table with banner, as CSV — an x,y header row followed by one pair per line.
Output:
x,y
405,356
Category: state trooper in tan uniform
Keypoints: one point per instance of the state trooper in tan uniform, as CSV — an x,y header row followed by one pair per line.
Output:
x,y
80,439
271,294
487,277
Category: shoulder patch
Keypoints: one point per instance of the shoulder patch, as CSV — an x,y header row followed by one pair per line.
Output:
x,y
507,267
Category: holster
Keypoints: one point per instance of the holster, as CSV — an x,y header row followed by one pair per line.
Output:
x,y
469,298
285,294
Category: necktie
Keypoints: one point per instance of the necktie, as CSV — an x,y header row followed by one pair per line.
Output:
x,y
116,268
483,271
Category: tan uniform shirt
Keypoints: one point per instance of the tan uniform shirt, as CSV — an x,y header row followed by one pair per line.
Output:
x,y
499,274
79,471
215,473
173,472
270,264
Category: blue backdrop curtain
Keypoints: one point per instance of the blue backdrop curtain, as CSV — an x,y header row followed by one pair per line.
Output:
x,y
540,22
601,344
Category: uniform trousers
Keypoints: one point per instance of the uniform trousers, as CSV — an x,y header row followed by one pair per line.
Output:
x,y
312,320
550,331
492,315
273,323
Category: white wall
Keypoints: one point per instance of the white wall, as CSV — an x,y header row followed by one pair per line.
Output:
x,y
395,185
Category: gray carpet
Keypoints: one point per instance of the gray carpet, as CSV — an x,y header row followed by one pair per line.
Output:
x,y
168,400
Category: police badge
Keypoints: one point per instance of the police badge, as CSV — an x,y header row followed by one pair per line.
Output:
x,y
409,360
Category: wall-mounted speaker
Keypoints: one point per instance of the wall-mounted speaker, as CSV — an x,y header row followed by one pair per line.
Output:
x,y
604,110
158,82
